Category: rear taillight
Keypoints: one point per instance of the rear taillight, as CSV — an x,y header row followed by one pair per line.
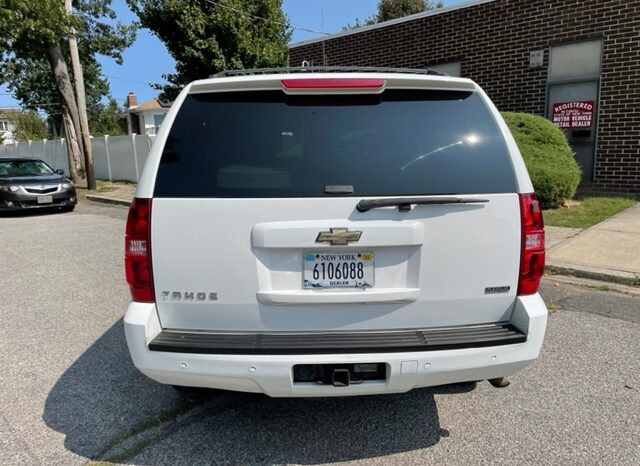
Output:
x,y
532,255
137,252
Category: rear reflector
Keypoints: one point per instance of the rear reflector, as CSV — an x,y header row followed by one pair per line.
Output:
x,y
334,83
532,254
137,252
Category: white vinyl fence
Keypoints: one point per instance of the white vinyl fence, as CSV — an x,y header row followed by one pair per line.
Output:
x,y
114,157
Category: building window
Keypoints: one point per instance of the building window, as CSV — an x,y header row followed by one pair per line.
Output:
x,y
157,121
4,125
577,60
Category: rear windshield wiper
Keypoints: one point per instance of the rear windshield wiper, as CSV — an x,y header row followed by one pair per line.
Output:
x,y
405,203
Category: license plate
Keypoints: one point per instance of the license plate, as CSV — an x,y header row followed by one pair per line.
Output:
x,y
338,270
45,199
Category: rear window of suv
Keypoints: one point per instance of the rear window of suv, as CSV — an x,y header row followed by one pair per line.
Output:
x,y
270,144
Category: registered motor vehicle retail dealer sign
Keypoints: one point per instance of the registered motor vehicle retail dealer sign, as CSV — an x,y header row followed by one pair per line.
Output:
x,y
577,114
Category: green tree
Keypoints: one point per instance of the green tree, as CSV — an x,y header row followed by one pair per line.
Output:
x,y
392,9
358,23
104,119
29,126
205,36
33,32
32,83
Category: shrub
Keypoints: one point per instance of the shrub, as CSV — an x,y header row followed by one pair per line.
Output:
x,y
554,172
29,126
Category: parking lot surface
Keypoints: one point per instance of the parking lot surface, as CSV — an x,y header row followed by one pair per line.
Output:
x,y
69,393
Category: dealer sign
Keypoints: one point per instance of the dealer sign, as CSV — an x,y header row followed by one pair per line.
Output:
x,y
578,114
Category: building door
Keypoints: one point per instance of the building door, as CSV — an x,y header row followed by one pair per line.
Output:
x,y
573,106
573,89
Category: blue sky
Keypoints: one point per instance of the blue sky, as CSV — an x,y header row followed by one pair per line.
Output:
x,y
148,59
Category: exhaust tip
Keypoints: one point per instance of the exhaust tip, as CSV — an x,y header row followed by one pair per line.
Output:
x,y
500,382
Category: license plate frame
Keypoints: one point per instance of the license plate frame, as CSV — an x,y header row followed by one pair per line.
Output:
x,y
328,277
45,199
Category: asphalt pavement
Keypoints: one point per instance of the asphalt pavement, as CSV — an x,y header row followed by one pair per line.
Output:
x,y
69,393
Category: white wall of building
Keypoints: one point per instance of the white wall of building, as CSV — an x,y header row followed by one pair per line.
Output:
x,y
151,120
6,130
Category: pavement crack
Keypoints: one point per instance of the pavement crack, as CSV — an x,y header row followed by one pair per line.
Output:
x,y
133,441
140,428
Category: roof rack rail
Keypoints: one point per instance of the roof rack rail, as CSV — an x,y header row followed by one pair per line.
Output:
x,y
325,69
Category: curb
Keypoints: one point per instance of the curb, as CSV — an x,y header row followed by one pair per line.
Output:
x,y
108,200
573,271
593,284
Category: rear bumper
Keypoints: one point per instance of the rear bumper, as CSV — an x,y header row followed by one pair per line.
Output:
x,y
272,373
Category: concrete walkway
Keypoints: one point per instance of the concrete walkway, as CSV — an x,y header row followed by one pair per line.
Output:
x,y
608,251
557,235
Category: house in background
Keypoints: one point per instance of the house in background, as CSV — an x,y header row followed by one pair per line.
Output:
x,y
6,125
144,118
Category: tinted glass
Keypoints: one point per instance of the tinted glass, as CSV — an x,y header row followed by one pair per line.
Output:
x,y
24,168
268,144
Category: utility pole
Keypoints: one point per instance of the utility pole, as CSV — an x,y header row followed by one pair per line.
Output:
x,y
78,78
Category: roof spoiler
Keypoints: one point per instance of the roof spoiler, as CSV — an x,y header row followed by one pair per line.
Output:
x,y
325,69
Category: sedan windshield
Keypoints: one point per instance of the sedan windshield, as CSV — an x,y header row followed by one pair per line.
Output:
x,y
24,168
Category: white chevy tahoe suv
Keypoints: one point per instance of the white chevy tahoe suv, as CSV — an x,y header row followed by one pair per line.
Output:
x,y
328,231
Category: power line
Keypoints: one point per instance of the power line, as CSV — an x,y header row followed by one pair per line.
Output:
x,y
36,104
127,80
295,28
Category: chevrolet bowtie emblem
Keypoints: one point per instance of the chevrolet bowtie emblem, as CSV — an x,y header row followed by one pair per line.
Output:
x,y
338,236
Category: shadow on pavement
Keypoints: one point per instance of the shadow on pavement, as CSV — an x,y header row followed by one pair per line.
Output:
x,y
102,396
308,431
33,212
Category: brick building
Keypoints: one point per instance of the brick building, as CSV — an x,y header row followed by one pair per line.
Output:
x,y
542,57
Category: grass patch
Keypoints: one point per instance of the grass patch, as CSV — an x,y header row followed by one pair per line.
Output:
x,y
552,308
600,287
587,211
102,187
